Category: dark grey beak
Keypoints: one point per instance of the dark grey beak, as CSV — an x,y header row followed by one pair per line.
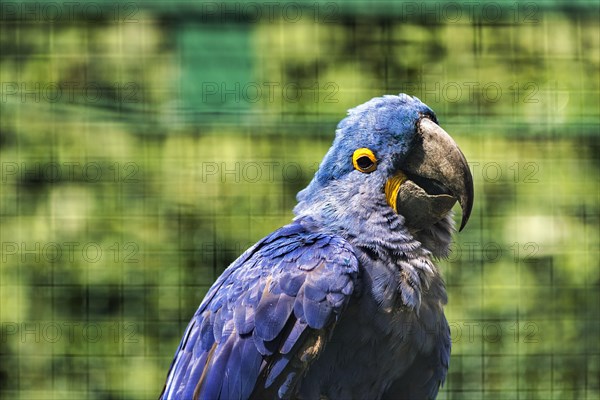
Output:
x,y
436,164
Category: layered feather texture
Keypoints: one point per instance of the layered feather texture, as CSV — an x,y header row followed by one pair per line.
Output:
x,y
248,333
343,303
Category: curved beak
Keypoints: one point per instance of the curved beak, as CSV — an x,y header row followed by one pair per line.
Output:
x,y
437,165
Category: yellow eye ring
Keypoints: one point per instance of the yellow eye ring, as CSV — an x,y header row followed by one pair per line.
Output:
x,y
364,160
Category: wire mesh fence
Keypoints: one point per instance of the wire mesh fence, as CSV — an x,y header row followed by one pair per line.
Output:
x,y
145,145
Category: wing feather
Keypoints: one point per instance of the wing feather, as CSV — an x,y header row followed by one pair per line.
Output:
x,y
266,318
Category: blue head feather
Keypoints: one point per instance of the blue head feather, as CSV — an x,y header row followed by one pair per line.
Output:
x,y
387,126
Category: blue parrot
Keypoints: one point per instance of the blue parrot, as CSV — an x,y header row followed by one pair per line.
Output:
x,y
345,302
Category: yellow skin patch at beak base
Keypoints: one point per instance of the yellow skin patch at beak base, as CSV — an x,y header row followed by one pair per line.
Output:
x,y
392,186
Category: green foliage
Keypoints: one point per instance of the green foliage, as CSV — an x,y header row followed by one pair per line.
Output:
x,y
152,153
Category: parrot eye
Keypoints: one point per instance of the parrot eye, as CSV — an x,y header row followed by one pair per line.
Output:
x,y
364,160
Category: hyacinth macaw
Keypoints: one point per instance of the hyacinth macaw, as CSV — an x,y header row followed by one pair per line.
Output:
x,y
344,302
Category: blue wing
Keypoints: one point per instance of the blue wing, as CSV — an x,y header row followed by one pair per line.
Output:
x,y
265,319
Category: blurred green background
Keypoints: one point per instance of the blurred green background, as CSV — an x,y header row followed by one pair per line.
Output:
x,y
144,146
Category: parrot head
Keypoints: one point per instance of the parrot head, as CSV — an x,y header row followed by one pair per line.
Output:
x,y
390,153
